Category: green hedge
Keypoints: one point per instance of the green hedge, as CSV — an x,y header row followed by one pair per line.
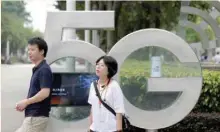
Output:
x,y
135,68
133,80
209,100
205,117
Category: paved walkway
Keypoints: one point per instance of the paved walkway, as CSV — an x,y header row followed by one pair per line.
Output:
x,y
14,87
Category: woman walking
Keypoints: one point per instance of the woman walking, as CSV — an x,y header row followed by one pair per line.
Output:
x,y
101,119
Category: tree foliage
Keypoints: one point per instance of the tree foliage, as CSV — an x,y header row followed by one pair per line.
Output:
x,y
134,15
14,19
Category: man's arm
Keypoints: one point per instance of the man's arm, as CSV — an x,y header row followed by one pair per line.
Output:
x,y
45,79
45,85
40,96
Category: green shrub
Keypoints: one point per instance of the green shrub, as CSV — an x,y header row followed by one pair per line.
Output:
x,y
133,79
209,100
143,68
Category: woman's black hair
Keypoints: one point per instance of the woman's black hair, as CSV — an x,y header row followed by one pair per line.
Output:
x,y
111,64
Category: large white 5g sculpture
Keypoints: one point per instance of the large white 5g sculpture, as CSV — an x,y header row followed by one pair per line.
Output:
x,y
190,87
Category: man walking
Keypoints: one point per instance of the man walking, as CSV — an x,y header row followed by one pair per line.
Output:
x,y
37,104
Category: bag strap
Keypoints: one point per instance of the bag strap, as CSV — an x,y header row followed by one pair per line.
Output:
x,y
98,95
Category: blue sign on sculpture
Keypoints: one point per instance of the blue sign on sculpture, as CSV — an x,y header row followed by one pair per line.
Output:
x,y
71,89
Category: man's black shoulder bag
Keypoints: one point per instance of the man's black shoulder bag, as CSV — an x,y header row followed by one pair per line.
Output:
x,y
126,126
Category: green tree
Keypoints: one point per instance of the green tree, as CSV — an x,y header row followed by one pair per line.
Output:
x,y
134,15
14,17
17,8
191,35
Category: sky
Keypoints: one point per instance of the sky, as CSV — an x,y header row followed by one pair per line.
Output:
x,y
38,11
